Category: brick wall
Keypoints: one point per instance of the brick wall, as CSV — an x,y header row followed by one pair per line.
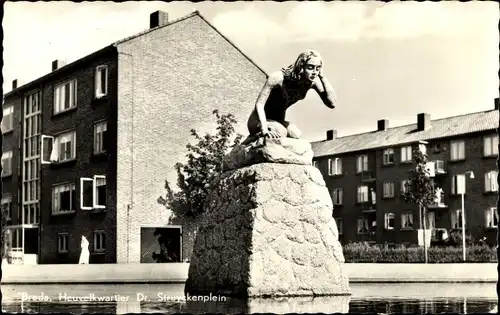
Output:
x,y
169,81
81,119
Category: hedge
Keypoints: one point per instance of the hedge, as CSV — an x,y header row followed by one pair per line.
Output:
x,y
362,253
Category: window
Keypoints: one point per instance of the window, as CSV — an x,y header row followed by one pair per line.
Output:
x,y
457,150
407,221
458,184
7,163
93,192
316,164
8,119
362,193
64,96
490,145
337,196
101,81
491,216
334,166
63,198
388,189
406,154
403,185
62,242
490,181
456,219
423,148
340,225
390,220
59,149
431,220
6,206
362,163
100,143
363,225
99,241
388,156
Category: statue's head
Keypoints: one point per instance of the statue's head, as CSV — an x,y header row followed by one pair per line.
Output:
x,y
306,67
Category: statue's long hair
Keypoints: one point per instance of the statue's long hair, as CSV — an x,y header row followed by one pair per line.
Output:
x,y
295,70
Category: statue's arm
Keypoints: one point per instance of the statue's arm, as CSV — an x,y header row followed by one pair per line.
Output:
x,y
273,80
325,91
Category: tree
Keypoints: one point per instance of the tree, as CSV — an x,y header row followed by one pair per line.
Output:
x,y
419,190
204,164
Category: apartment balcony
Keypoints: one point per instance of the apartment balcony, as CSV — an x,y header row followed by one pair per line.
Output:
x,y
438,202
368,176
436,167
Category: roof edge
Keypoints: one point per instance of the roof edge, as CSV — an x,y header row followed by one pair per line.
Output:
x,y
29,85
149,30
232,44
400,143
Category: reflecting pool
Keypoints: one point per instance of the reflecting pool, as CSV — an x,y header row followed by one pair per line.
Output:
x,y
386,298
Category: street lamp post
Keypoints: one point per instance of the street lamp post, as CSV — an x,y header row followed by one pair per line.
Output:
x,y
461,188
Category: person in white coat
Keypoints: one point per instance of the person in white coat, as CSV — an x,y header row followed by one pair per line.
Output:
x,y
84,254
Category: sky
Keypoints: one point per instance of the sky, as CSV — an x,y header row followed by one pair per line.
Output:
x,y
385,60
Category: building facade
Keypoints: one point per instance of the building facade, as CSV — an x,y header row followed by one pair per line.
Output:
x,y
87,148
366,176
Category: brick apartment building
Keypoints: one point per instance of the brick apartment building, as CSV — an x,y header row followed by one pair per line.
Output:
x,y
365,174
87,148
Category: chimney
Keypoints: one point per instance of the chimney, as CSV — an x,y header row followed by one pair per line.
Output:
x,y
158,18
496,103
331,134
14,84
56,64
382,125
423,121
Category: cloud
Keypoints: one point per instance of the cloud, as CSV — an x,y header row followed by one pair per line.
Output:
x,y
351,21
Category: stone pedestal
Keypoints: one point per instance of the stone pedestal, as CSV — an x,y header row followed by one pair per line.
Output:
x,y
268,228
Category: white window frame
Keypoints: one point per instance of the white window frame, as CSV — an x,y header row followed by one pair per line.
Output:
x,y
99,129
490,181
42,149
388,189
82,181
56,202
97,91
457,150
60,95
58,141
94,197
491,214
7,156
314,163
337,196
55,155
490,145
8,119
362,163
99,243
407,217
62,243
334,166
407,153
387,218
340,225
363,192
388,153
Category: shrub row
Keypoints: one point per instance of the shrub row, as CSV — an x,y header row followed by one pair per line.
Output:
x,y
362,253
